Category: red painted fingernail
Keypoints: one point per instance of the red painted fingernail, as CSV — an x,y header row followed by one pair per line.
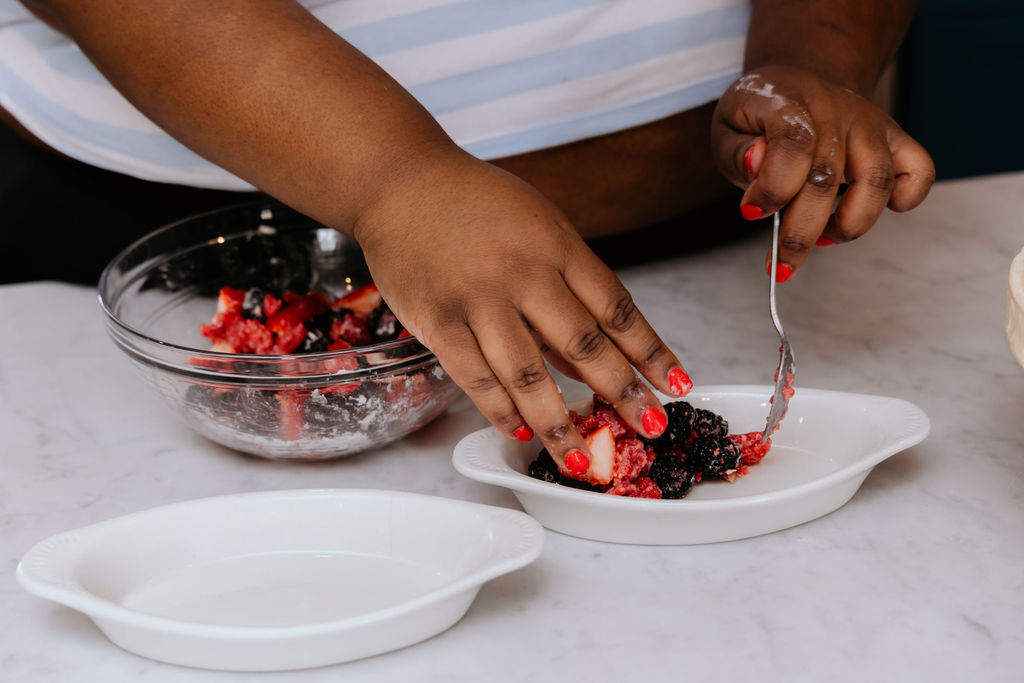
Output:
x,y
576,462
524,433
783,272
679,382
751,212
654,421
823,242
746,161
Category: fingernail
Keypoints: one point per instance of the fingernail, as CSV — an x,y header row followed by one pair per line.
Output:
x,y
654,421
679,382
524,433
746,161
823,242
751,212
783,271
576,462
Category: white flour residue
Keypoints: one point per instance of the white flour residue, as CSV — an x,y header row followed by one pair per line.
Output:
x,y
756,85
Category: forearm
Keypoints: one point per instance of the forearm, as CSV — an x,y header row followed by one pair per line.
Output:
x,y
261,88
850,42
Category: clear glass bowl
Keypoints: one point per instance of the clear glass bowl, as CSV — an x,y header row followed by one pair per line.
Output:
x,y
157,292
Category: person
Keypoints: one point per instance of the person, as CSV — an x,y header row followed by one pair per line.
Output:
x,y
475,230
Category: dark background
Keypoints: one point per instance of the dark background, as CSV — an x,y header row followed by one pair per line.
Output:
x,y
959,85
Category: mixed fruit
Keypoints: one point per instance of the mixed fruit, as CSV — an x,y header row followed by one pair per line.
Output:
x,y
696,444
254,321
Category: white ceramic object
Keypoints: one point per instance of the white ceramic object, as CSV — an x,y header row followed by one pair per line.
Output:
x,y
1015,308
281,579
826,446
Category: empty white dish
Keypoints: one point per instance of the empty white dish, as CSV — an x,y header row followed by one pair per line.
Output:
x,y
1015,308
825,448
281,579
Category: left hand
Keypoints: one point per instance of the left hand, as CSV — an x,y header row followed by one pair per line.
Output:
x,y
793,138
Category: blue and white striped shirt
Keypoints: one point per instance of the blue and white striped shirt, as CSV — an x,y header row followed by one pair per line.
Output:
x,y
502,77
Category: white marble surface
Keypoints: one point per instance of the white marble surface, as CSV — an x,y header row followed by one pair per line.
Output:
x,y
919,578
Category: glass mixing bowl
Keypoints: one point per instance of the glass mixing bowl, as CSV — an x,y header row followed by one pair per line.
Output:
x,y
157,292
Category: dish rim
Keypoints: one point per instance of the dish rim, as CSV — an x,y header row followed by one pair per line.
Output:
x,y
518,540
487,465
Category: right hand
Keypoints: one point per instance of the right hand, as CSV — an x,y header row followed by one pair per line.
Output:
x,y
491,277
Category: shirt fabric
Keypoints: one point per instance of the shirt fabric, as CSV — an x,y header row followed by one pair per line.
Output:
x,y
502,77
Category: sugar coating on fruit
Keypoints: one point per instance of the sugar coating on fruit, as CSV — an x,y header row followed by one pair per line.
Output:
x,y
695,445
350,415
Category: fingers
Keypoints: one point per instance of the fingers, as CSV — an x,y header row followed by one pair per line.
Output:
x,y
583,342
616,315
870,180
502,370
914,168
794,140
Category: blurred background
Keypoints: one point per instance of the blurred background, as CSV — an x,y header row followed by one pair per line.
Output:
x,y
958,85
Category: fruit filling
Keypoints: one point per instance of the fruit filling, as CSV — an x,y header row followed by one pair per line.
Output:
x,y
696,444
255,321
260,322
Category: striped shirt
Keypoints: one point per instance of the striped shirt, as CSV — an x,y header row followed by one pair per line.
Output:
x,y
502,77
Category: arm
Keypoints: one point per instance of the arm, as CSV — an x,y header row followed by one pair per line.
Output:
x,y
476,263
799,124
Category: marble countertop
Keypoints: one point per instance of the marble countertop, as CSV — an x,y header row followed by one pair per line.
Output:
x,y
920,577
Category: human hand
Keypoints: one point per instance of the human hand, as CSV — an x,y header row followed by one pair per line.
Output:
x,y
490,276
793,138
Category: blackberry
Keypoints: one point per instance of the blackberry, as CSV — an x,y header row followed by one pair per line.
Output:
x,y
544,468
382,325
679,428
707,423
673,475
315,341
252,304
715,454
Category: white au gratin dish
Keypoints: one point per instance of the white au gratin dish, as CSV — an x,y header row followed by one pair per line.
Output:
x,y
282,579
826,446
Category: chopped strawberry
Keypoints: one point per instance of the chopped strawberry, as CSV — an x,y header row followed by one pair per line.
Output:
x,y
290,412
602,414
287,339
641,487
271,305
361,300
752,448
229,300
601,444
351,328
249,336
298,311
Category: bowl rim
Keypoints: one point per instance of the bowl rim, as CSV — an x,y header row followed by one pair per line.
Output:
x,y
106,300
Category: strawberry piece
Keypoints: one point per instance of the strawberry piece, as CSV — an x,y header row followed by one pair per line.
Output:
x,y
271,305
601,444
641,487
602,414
298,311
217,329
632,459
248,335
361,300
403,334
290,412
229,300
751,447
288,339
351,328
